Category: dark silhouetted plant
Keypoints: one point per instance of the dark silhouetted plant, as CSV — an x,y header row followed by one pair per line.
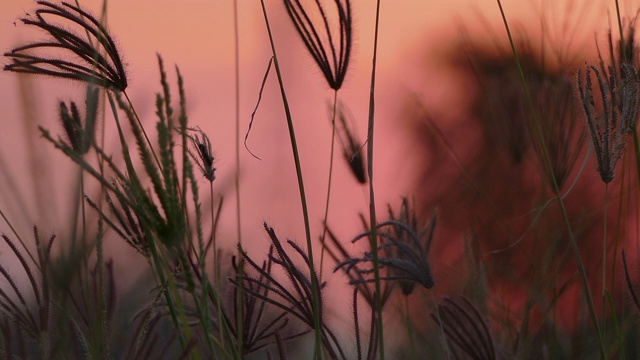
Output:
x,y
465,329
162,219
98,59
629,283
297,300
351,147
125,222
359,276
330,48
609,127
260,325
13,304
402,251
202,154
80,131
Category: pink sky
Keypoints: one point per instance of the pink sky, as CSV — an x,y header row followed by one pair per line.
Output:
x,y
197,36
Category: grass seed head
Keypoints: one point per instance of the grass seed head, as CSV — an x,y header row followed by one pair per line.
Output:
x,y
96,59
329,47
202,154
611,120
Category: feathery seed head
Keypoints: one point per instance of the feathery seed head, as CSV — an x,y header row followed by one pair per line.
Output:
x,y
202,153
609,125
329,47
403,253
79,131
465,329
97,60
351,147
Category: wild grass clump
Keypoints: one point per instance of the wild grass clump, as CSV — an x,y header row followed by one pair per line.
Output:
x,y
497,255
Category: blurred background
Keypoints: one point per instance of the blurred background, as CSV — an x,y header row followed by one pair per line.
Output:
x,y
423,78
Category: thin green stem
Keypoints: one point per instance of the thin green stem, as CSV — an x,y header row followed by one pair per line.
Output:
x,y
636,147
604,261
159,265
163,283
317,323
237,116
622,44
556,188
82,205
621,223
325,222
372,202
409,326
216,264
144,132
239,298
442,333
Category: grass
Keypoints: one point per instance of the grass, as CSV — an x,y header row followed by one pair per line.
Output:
x,y
499,258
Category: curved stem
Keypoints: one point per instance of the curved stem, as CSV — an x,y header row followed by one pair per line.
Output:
x,y
556,188
303,199
144,132
372,203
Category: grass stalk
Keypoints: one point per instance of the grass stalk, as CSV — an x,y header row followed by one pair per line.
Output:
x,y
305,213
216,263
409,327
372,203
144,132
445,341
13,230
621,226
236,179
604,261
556,189
325,220
159,265
636,148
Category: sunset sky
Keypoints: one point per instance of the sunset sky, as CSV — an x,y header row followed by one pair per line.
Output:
x,y
197,35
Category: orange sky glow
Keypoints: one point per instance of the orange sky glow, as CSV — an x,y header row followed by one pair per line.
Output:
x,y
197,36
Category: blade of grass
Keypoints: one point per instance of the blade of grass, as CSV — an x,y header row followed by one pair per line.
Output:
x,y
547,162
372,203
236,179
326,207
305,214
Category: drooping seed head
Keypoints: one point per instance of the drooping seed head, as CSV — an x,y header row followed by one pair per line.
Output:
x,y
91,57
610,120
329,45
202,153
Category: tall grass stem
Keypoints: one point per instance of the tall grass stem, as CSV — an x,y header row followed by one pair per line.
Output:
x,y
440,325
548,164
315,288
325,220
604,260
372,201
236,179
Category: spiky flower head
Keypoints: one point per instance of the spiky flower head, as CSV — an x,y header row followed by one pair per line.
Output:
x,y
466,329
91,57
202,153
351,146
329,46
609,126
402,249
80,131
